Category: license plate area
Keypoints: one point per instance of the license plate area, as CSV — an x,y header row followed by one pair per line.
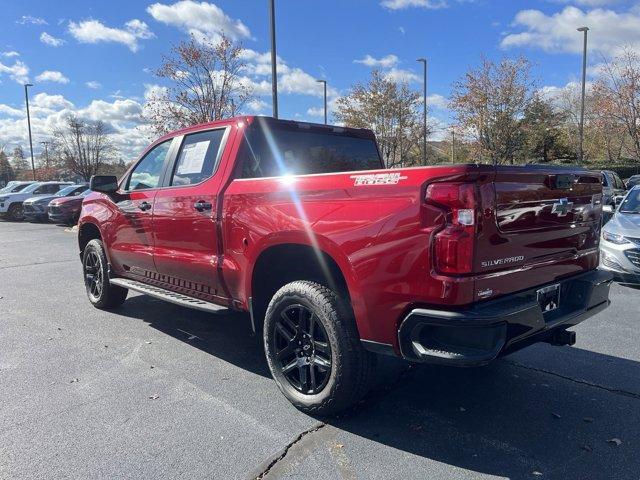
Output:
x,y
549,298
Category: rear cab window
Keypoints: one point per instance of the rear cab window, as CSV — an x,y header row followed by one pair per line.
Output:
x,y
272,149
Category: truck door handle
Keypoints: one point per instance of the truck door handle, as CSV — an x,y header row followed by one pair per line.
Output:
x,y
201,206
144,206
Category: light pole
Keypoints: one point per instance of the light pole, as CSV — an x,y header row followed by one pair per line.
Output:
x,y
324,83
26,96
274,69
424,110
584,83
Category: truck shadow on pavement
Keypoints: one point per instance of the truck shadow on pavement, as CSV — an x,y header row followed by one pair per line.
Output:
x,y
553,413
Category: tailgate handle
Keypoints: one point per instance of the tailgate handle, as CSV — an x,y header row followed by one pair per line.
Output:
x,y
562,181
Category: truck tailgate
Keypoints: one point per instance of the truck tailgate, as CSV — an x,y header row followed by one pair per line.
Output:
x,y
539,224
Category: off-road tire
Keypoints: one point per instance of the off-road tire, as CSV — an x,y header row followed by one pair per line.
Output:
x,y
95,270
351,365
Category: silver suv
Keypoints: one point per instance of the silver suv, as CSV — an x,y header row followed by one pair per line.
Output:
x,y
620,245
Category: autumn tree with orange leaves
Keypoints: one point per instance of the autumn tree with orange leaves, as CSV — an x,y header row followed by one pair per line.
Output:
x,y
205,84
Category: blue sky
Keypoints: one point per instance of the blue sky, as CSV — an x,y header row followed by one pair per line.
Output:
x,y
97,58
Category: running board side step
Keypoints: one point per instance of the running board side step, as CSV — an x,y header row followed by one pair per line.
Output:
x,y
167,295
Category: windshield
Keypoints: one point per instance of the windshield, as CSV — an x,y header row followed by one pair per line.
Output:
x,y
631,203
31,188
13,188
68,191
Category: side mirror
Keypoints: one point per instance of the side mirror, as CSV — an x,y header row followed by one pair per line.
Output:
x,y
104,183
608,208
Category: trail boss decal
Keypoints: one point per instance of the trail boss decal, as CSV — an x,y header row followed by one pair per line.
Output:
x,y
377,179
501,261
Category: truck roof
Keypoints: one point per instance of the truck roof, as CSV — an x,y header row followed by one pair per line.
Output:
x,y
249,119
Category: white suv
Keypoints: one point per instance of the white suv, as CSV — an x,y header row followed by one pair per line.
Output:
x,y
11,203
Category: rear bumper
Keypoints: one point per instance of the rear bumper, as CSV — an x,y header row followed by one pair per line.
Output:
x,y
478,335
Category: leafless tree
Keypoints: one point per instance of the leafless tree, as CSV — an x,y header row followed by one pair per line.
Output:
x,y
490,102
206,85
618,89
83,146
391,110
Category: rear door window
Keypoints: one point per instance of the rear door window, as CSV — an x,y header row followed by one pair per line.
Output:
x,y
198,157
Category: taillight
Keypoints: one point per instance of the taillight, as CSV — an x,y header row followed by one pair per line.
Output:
x,y
454,245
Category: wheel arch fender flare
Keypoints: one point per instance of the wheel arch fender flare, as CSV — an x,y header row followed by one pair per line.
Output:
x,y
320,244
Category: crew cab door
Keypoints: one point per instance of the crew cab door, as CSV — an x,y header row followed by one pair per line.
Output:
x,y
131,237
185,229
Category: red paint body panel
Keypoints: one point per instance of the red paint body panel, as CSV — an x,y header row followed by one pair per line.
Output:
x,y
380,236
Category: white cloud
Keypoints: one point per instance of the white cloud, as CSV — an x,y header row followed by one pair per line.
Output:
x,y
93,31
52,76
48,112
51,40
10,111
437,101
402,4
260,63
257,105
93,85
18,71
557,95
202,19
25,19
298,81
153,91
318,111
50,102
139,29
11,53
557,33
590,3
384,62
399,75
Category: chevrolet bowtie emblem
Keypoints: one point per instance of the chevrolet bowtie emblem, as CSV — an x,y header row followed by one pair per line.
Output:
x,y
562,207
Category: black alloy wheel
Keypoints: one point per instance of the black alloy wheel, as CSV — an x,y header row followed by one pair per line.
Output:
x,y
93,276
102,294
302,349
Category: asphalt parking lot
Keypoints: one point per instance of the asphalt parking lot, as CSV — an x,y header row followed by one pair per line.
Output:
x,y
158,391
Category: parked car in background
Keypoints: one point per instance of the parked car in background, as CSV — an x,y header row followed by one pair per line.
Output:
x,y
67,209
620,245
11,203
633,181
14,186
36,208
612,187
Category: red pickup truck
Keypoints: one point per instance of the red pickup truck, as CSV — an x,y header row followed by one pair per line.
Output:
x,y
336,258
